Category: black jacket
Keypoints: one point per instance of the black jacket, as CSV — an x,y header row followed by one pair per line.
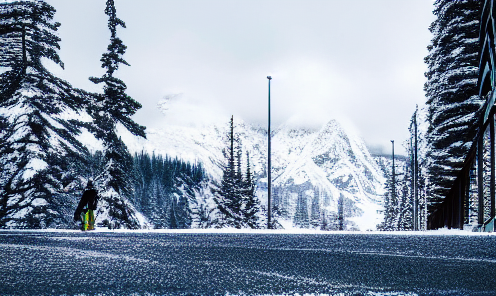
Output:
x,y
90,198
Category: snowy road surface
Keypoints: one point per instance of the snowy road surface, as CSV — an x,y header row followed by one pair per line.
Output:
x,y
113,263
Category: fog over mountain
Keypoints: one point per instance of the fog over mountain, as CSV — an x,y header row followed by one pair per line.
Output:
x,y
317,165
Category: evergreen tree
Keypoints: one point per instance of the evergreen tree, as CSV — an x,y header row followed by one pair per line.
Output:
x,y
6,132
204,216
398,199
182,211
315,216
252,206
301,215
390,207
325,221
109,109
235,196
341,212
405,202
451,90
238,176
172,215
228,198
38,144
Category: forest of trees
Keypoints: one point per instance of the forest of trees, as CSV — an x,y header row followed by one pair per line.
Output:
x,y
408,199
312,208
44,165
166,189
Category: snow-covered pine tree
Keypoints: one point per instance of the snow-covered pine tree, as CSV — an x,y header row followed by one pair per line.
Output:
x,y
324,225
390,207
451,90
301,218
6,132
182,209
141,166
240,185
252,204
315,212
39,143
110,109
238,175
405,206
184,193
227,194
153,189
340,215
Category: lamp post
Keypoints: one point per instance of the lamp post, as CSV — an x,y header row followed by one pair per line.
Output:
x,y
393,185
268,168
415,181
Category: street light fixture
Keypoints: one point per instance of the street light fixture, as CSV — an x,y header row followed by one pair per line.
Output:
x,y
269,168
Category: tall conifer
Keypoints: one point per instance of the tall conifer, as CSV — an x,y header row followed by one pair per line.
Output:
x,y
451,90
315,212
38,144
228,197
110,109
252,204
301,218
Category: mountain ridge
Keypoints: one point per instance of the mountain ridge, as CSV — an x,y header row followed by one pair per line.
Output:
x,y
327,162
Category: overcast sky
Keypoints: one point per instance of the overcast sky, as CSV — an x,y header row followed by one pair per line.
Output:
x,y
360,62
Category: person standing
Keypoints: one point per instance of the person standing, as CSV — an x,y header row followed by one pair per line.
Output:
x,y
85,211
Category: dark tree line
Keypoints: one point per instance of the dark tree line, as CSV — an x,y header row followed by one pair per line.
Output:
x,y
165,190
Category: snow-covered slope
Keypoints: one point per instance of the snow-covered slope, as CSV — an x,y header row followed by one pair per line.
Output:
x,y
326,162
331,162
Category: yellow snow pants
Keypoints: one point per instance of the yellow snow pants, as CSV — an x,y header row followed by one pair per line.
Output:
x,y
87,220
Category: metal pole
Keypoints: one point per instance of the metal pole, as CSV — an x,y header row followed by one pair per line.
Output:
x,y
416,206
393,191
269,168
